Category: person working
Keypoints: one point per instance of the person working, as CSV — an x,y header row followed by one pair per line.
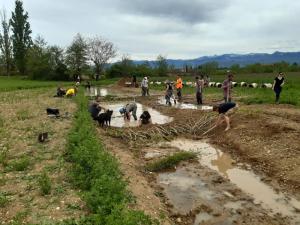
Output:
x,y
145,118
134,81
224,110
60,92
71,92
199,90
169,93
277,86
95,108
129,108
179,87
227,88
145,86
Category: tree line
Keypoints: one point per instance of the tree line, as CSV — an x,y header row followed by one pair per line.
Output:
x,y
21,55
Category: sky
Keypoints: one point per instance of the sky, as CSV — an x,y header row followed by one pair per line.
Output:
x,y
177,29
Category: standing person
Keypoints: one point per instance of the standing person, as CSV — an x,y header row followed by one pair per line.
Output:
x,y
179,87
129,108
277,86
199,90
134,80
227,88
145,86
169,93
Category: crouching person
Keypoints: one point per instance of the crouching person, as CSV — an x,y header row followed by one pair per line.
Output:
x,y
129,109
145,118
71,92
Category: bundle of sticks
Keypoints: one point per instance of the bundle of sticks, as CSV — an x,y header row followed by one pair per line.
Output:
x,y
193,126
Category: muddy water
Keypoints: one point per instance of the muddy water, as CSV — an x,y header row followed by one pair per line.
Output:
x,y
118,120
96,91
183,105
184,191
244,179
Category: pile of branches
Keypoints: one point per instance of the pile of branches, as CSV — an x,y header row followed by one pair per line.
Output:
x,y
193,126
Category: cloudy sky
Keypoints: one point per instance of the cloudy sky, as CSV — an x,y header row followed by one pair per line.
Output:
x,y
174,28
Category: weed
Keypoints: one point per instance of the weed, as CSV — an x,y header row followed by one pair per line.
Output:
x,y
3,157
3,200
170,161
20,164
23,114
44,183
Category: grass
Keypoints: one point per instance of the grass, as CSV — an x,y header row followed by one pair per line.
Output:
x,y
20,164
170,161
97,174
290,93
19,83
3,200
44,183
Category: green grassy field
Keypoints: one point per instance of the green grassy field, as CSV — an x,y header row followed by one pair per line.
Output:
x,y
20,83
290,93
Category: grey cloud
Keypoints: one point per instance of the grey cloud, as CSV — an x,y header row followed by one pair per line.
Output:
x,y
192,11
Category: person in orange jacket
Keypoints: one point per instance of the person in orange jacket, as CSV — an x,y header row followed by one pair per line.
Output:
x,y
179,87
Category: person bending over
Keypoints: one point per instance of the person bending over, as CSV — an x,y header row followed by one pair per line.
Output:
x,y
224,110
129,108
145,118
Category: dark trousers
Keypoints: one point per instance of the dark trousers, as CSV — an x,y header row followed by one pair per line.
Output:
x,y
227,99
199,98
179,94
277,94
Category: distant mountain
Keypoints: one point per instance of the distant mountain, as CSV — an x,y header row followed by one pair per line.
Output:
x,y
228,60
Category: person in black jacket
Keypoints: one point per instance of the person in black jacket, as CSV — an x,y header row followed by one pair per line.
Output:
x,y
277,86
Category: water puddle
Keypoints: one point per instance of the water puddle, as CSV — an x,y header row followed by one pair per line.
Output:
x,y
184,105
184,191
244,179
118,119
96,91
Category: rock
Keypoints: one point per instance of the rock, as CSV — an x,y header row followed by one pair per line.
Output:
x,y
179,220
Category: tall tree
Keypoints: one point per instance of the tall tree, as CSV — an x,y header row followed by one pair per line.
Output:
x,y
21,35
77,55
5,42
100,52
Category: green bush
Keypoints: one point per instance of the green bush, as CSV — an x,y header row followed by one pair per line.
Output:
x,y
170,161
44,183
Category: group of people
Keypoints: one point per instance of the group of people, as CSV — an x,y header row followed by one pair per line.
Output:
x,y
224,109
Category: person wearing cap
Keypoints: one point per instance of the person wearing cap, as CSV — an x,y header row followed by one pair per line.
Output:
x,y
145,86
129,108
179,87
227,87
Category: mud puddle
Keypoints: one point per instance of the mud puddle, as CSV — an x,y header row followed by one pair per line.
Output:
x,y
118,120
244,179
96,91
184,105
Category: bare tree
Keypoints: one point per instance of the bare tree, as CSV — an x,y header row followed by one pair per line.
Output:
x,y
6,42
100,52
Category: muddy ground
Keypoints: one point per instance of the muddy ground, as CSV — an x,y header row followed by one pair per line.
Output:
x,y
263,139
